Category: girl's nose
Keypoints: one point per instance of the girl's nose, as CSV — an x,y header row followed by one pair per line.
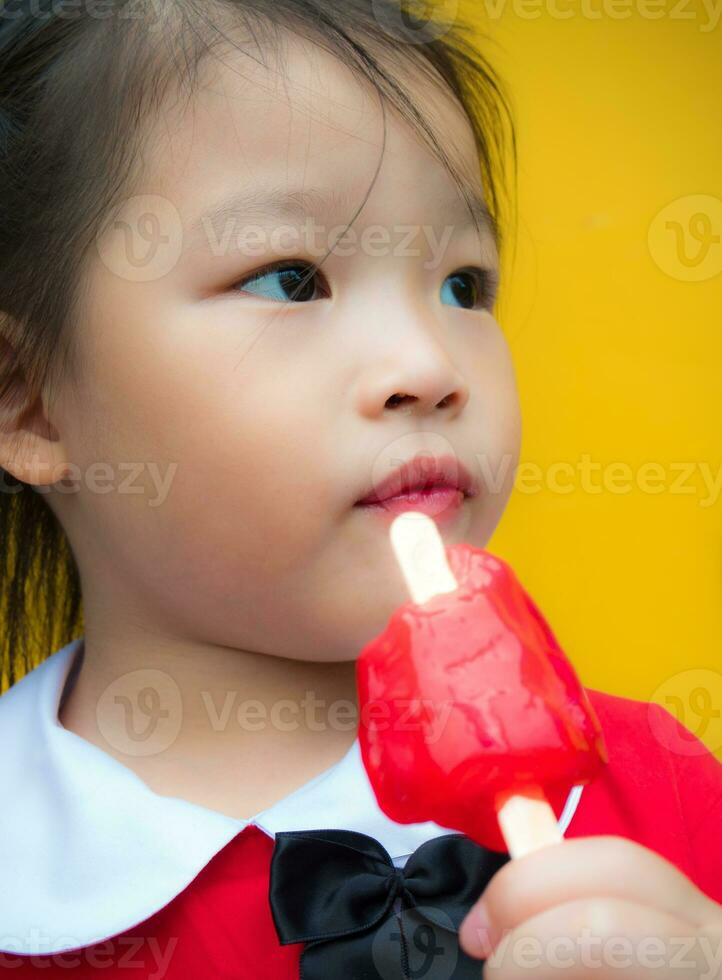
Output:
x,y
409,401
412,388
406,367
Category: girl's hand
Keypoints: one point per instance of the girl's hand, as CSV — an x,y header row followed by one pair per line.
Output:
x,y
594,907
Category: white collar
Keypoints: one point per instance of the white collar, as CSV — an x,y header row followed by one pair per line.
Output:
x,y
88,850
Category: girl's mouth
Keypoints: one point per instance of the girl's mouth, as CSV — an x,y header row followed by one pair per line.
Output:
x,y
443,503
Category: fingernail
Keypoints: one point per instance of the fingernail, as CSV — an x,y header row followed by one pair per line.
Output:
x,y
477,931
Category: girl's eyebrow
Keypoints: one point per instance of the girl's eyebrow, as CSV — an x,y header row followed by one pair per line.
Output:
x,y
303,202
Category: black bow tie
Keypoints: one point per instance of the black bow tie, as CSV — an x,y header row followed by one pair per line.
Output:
x,y
362,918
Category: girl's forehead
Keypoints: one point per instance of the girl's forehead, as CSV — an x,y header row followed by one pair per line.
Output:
x,y
299,117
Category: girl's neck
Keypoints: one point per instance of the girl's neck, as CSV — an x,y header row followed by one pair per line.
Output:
x,y
229,729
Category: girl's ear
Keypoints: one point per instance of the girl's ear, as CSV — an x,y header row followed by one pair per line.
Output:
x,y
30,446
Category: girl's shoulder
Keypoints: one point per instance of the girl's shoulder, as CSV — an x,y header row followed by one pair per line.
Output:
x,y
662,788
86,847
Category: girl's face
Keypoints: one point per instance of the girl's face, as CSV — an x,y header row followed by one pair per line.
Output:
x,y
236,435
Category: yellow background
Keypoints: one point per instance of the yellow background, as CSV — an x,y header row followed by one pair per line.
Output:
x,y
618,354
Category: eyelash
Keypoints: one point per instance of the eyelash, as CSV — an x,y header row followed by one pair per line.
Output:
x,y
487,279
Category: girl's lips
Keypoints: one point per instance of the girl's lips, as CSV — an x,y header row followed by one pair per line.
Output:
x,y
441,503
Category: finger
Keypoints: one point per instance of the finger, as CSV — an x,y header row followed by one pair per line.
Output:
x,y
601,939
585,867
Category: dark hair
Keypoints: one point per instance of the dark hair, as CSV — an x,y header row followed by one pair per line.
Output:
x,y
76,86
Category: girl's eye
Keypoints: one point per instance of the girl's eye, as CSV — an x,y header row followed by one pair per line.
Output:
x,y
296,281
291,281
471,288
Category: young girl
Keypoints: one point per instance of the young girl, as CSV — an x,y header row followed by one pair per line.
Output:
x,y
250,252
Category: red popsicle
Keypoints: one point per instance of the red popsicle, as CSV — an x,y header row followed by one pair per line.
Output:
x,y
471,715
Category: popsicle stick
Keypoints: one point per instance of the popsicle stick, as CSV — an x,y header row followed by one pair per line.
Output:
x,y
527,821
419,550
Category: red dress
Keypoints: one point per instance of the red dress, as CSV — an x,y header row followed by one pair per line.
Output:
x,y
661,788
